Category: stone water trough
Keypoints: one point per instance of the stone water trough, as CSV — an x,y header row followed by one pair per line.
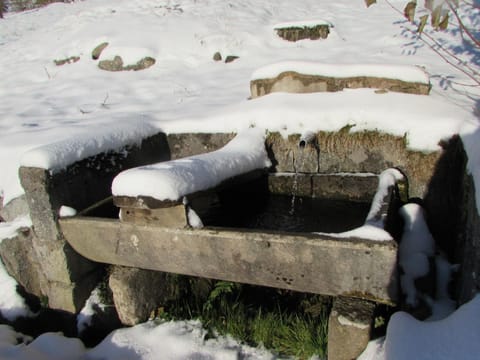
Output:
x,y
244,238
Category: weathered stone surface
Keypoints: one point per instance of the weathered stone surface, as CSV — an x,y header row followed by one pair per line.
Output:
x,y
296,33
22,262
183,145
69,60
142,64
349,328
70,276
303,262
137,293
293,82
351,187
15,208
98,50
174,216
352,152
112,65
217,56
230,58
117,64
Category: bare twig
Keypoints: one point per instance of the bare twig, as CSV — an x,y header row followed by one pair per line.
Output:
x,y
462,25
445,54
104,104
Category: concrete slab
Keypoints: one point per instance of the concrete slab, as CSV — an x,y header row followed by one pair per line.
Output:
x,y
301,262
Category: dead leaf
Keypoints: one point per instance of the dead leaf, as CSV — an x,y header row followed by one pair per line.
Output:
x,y
409,11
423,22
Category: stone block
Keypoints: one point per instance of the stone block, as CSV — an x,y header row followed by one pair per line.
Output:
x,y
294,82
355,152
349,328
296,33
174,216
69,275
183,145
13,209
137,293
301,262
22,263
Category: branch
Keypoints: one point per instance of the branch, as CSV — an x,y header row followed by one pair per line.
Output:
x,y
462,25
439,47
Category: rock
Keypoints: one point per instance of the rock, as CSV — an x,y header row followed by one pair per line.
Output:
x,y
71,59
98,50
117,64
137,293
22,263
349,328
230,58
294,82
143,64
295,33
15,208
217,56
112,65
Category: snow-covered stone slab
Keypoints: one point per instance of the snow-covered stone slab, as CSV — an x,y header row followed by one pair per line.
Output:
x,y
300,30
103,139
171,180
307,77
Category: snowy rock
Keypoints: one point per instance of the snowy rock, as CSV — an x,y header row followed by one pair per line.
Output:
x,y
308,77
69,60
112,65
172,180
98,50
230,58
217,56
117,64
296,31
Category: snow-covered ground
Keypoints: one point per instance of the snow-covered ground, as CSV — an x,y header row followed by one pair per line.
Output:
x,y
44,105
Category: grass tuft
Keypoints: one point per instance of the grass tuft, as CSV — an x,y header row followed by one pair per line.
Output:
x,y
285,322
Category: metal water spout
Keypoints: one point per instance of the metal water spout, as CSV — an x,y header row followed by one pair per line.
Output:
x,y
306,138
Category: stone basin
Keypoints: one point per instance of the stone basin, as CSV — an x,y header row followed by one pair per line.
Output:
x,y
156,235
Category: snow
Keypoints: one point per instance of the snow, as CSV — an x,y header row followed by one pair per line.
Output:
x,y
302,24
455,337
85,316
66,211
422,120
174,179
148,341
373,228
58,155
399,72
187,91
69,112
415,249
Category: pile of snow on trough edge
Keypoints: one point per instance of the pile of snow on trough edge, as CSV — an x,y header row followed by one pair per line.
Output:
x,y
58,155
173,179
399,72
